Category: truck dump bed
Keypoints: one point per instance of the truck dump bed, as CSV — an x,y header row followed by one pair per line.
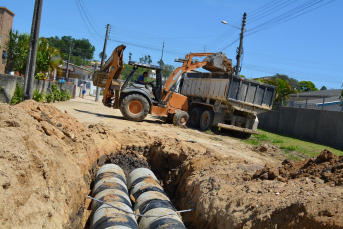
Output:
x,y
243,94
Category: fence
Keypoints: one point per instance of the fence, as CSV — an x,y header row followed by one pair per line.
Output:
x,y
321,126
317,103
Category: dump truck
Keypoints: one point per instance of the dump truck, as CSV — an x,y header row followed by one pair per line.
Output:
x,y
224,100
135,101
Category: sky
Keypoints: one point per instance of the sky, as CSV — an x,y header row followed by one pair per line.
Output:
x,y
299,38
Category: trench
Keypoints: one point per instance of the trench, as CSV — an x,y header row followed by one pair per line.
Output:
x,y
165,167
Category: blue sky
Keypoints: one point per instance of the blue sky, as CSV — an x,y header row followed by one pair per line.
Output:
x,y
307,47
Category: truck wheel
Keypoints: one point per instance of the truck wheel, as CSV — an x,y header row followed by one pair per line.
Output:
x,y
180,118
135,107
206,120
194,118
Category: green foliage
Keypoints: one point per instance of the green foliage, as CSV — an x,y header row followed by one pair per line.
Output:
x,y
146,59
323,88
283,89
40,76
210,132
100,56
49,97
56,92
38,96
48,58
307,86
243,76
18,95
16,49
82,48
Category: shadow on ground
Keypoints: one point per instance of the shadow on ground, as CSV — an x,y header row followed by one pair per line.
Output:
x,y
117,117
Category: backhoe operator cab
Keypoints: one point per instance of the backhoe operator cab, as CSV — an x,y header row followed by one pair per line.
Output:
x,y
135,101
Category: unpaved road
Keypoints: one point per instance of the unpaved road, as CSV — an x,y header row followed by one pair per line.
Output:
x,y
88,111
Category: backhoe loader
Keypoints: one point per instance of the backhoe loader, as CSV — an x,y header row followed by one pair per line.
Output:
x,y
135,100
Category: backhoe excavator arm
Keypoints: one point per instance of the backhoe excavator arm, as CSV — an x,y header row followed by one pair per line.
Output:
x,y
109,74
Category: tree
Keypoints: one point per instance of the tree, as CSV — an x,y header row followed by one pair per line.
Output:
x,y
146,59
16,49
283,89
48,58
307,86
323,88
243,76
81,48
160,63
167,70
100,55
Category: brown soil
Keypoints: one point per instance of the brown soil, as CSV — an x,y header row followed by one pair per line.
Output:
x,y
327,166
48,160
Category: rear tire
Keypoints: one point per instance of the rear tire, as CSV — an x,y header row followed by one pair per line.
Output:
x,y
180,118
206,120
194,118
135,107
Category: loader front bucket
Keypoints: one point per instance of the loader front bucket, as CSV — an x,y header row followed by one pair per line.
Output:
x,y
100,79
218,62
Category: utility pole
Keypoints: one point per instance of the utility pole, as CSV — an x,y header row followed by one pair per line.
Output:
x,y
240,48
67,67
32,52
102,61
161,61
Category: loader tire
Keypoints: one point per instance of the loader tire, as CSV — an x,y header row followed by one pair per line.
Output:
x,y
180,118
194,117
135,107
206,120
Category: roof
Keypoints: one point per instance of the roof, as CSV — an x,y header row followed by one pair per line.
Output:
x,y
324,93
4,8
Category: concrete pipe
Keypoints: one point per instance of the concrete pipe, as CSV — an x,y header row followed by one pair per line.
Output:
x,y
150,199
110,170
109,183
171,221
139,174
147,184
107,217
111,195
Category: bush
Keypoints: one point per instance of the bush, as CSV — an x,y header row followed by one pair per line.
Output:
x,y
68,95
49,97
40,76
56,92
18,95
38,96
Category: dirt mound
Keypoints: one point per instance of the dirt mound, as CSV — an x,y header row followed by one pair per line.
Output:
x,y
327,167
128,160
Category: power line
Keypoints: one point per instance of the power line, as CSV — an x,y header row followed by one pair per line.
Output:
x,y
264,6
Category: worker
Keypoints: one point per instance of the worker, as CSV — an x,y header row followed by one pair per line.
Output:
x,y
141,79
83,88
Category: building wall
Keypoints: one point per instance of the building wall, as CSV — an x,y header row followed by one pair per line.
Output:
x,y
6,21
321,126
8,85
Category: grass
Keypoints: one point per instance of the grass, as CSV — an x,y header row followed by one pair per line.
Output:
x,y
290,144
209,132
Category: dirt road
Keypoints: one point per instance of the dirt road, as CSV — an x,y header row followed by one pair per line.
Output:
x,y
88,111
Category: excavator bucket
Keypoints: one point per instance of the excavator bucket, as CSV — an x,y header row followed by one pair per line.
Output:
x,y
100,79
218,62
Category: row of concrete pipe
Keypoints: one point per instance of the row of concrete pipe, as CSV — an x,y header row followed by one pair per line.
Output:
x,y
149,198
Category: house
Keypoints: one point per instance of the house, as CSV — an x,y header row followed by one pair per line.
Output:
x,y
324,100
6,22
75,72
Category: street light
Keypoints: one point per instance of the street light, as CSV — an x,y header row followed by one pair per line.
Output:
x,y
224,22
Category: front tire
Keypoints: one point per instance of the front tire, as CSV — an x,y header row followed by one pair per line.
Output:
x,y
206,120
135,107
180,118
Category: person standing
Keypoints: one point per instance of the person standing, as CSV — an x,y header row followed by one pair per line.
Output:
x,y
83,88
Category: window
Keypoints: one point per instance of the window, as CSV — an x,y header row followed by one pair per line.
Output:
x,y
4,55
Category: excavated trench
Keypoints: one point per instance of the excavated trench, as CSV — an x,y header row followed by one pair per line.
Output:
x,y
165,168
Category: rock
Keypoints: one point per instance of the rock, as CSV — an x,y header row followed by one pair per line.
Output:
x,y
273,173
264,176
326,155
263,148
282,179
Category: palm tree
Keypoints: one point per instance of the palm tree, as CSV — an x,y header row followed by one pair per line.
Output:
x,y
48,58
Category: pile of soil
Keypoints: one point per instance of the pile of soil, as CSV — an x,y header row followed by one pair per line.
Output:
x,y
327,167
128,160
